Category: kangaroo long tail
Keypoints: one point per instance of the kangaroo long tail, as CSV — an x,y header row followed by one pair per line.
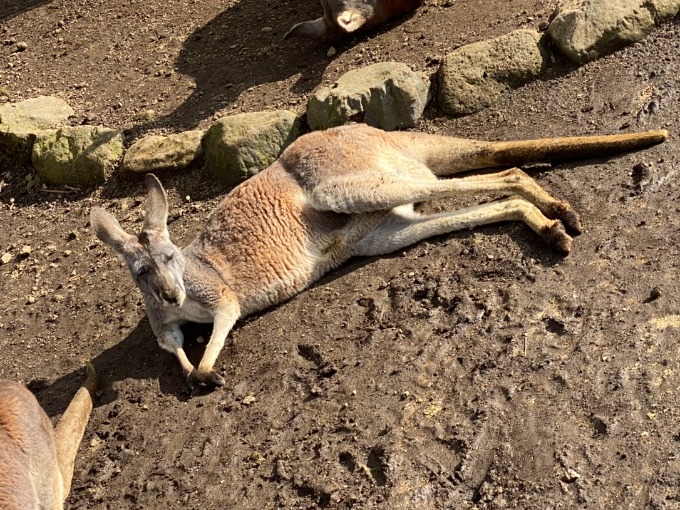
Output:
x,y
448,155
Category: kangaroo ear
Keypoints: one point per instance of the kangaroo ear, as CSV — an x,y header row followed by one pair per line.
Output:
x,y
350,20
156,217
108,230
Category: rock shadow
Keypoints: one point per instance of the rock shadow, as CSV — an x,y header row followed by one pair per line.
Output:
x,y
12,8
244,47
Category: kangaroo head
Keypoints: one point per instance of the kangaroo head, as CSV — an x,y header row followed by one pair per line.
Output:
x,y
339,17
155,262
351,15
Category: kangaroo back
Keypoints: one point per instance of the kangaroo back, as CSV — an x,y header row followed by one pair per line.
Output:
x,y
29,477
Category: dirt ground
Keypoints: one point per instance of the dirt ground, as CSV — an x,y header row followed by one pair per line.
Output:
x,y
475,369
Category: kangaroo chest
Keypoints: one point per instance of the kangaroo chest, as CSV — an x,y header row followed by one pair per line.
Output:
x,y
192,311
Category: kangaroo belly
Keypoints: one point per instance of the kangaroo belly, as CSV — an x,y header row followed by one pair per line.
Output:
x,y
284,264
268,244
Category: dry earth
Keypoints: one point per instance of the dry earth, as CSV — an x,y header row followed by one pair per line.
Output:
x,y
476,369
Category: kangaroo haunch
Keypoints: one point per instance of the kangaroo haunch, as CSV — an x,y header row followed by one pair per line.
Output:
x,y
330,196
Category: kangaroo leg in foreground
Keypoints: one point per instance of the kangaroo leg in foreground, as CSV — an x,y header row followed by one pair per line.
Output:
x,y
70,429
36,464
403,227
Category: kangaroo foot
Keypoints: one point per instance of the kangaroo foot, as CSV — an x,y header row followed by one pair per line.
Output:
x,y
557,238
570,219
204,378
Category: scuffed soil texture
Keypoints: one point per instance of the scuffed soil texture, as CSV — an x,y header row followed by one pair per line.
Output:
x,y
477,369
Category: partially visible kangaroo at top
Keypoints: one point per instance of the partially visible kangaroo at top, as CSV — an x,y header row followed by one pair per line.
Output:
x,y
331,195
36,461
346,16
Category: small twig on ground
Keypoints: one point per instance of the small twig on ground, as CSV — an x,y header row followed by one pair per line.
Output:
x,y
57,191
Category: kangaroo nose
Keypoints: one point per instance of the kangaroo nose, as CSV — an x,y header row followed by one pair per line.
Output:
x,y
171,298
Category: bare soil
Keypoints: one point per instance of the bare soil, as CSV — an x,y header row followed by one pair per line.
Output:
x,y
475,369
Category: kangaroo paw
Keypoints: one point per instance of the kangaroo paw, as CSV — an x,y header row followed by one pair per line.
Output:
x,y
557,238
204,378
570,219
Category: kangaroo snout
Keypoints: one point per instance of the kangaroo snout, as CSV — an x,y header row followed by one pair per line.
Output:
x,y
172,296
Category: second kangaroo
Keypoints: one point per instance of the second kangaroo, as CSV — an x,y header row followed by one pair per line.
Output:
x,y
347,16
331,195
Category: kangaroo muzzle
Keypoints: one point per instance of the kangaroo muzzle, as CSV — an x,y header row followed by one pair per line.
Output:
x,y
170,293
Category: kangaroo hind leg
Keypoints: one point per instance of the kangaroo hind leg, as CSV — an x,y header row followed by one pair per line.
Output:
x,y
402,181
528,188
403,227
380,185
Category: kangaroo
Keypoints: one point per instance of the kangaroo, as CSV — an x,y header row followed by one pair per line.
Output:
x,y
331,195
346,16
36,461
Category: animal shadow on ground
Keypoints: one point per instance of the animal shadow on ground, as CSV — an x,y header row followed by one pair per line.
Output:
x,y
138,357
11,8
243,47
232,53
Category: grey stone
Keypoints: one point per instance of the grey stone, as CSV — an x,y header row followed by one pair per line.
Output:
x,y
475,76
388,95
587,29
239,146
77,156
19,123
155,153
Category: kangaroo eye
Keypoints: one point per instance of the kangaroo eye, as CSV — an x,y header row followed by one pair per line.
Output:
x,y
168,258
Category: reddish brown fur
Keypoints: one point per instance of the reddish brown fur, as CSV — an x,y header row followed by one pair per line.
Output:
x,y
32,475
28,456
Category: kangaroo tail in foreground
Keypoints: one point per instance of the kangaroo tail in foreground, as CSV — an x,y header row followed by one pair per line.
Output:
x,y
579,147
71,427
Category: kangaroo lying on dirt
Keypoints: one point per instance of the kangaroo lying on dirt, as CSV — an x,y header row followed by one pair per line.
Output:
x,y
345,16
36,462
330,196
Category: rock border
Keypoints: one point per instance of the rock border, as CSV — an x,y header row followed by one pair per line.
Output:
x,y
470,79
